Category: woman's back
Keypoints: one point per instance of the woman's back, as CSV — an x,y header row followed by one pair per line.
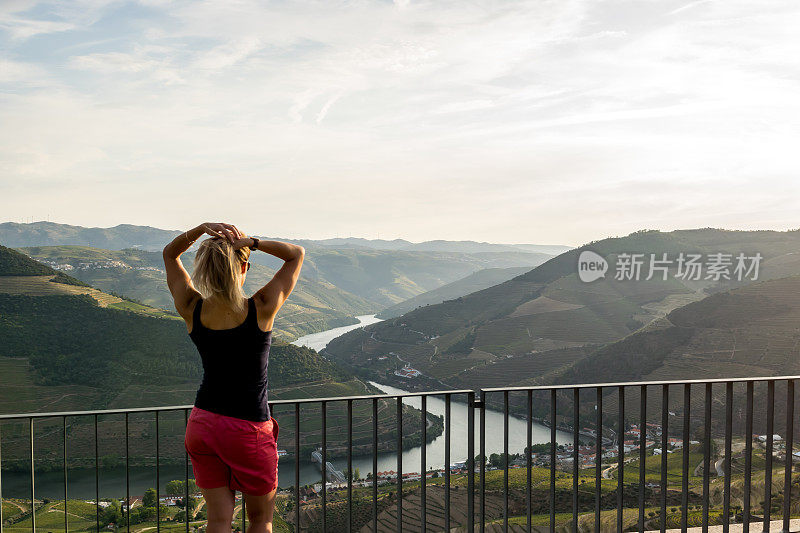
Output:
x,y
235,362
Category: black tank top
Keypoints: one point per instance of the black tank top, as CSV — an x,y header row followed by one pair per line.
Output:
x,y
234,367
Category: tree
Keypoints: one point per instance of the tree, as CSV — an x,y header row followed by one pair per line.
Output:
x,y
111,514
175,487
356,474
149,498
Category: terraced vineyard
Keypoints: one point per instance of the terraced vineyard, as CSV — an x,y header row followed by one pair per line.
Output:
x,y
42,286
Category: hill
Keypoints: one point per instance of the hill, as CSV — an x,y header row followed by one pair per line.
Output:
x,y
63,349
547,319
368,275
474,282
313,306
749,331
387,277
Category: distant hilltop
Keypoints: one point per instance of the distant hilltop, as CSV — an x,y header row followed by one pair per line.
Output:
x,y
121,236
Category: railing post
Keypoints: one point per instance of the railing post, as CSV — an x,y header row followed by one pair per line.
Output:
x,y
748,458
1,484
505,462
553,415
768,465
787,479
447,462
423,466
66,515
642,450
158,479
185,464
399,464
726,498
706,455
528,465
576,428
687,401
483,461
470,462
374,465
598,456
33,500
349,465
620,456
324,466
664,438
297,524
128,476
97,473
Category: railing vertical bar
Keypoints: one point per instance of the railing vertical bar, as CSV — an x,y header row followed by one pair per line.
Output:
x,y
185,465
128,477
768,465
576,426
687,402
505,462
375,465
399,464
349,465
424,466
620,456
706,455
470,462
97,471
528,463
447,462
483,462
297,467
598,456
1,484
642,450
33,500
158,480
324,466
664,437
748,458
64,433
726,498
787,473
552,494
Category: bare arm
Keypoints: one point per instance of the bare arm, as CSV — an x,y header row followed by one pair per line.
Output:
x,y
178,280
277,290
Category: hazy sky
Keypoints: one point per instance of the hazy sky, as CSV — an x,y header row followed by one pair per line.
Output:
x,y
558,121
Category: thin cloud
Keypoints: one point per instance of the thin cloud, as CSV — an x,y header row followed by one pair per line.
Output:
x,y
491,115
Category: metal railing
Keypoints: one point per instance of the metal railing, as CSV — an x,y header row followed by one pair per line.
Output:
x,y
545,405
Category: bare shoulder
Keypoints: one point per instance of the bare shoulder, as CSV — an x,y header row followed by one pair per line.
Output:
x,y
265,312
187,312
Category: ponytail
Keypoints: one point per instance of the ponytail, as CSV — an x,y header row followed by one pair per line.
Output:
x,y
218,271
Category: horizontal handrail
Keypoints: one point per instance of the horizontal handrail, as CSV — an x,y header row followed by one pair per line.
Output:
x,y
574,460
12,416
639,383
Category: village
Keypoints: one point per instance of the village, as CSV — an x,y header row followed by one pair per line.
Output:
x,y
92,265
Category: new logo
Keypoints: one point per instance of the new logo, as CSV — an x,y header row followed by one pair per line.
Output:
x,y
591,266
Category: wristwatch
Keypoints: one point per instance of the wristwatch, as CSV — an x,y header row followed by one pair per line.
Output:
x,y
255,244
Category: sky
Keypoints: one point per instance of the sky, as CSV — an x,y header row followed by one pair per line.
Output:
x,y
547,121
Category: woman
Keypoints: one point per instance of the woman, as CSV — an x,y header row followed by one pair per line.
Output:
x,y
230,435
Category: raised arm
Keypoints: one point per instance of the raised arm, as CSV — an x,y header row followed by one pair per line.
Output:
x,y
178,280
273,295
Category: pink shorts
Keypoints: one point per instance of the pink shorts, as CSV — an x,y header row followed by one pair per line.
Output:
x,y
232,452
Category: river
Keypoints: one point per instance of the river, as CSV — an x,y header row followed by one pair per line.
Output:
x,y
112,481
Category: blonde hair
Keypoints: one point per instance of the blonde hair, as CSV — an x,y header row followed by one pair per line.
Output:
x,y
218,271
